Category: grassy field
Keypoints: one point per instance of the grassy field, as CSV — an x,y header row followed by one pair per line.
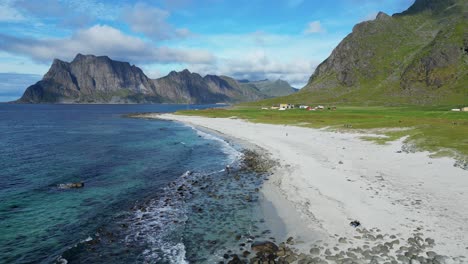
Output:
x,y
434,129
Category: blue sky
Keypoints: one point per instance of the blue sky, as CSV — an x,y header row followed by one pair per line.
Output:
x,y
245,39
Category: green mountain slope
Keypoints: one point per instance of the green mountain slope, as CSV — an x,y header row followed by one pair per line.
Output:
x,y
271,88
419,56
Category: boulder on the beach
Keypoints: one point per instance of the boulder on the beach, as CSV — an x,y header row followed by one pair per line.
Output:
x,y
74,185
315,251
264,247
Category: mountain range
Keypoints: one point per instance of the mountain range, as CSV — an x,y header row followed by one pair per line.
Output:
x,y
419,56
99,79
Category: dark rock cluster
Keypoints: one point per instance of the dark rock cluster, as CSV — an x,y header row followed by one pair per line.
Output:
x,y
256,162
370,246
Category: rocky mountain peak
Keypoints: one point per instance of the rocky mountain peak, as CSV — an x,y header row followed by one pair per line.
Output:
x,y
415,56
382,16
428,5
184,72
57,63
81,57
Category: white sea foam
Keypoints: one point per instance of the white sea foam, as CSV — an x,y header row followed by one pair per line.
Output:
x,y
61,260
176,253
158,232
232,153
87,239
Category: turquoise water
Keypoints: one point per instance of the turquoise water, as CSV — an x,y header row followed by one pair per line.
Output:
x,y
155,191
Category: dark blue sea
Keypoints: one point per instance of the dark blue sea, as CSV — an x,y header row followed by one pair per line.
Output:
x,y
154,191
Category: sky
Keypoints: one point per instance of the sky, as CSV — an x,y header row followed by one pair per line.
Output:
x,y
244,39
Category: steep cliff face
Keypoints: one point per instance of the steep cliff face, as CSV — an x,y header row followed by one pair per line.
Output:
x,y
91,79
418,56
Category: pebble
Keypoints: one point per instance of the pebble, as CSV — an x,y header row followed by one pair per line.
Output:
x,y
315,251
377,249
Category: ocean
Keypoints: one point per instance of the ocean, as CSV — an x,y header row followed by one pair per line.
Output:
x,y
155,191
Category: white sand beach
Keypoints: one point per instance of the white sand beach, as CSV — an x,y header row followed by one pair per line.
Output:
x,y
329,179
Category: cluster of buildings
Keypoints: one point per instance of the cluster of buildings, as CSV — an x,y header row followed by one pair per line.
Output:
x,y
463,109
283,107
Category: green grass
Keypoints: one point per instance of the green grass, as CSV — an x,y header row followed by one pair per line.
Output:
x,y
435,129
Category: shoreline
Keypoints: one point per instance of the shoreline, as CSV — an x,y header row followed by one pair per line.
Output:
x,y
332,178
269,200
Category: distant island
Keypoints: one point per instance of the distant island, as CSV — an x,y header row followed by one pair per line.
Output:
x,y
99,79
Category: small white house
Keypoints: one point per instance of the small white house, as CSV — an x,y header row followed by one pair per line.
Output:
x,y
456,110
286,106
303,106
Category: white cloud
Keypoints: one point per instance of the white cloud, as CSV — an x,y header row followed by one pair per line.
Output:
x,y
151,21
314,27
258,66
260,55
101,40
9,14
257,55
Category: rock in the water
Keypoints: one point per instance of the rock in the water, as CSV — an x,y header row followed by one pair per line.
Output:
x,y
71,185
235,260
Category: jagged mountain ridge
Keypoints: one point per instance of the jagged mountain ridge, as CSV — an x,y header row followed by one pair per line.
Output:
x,y
99,79
182,87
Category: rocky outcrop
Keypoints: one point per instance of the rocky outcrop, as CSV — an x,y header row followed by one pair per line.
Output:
x,y
417,56
98,79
